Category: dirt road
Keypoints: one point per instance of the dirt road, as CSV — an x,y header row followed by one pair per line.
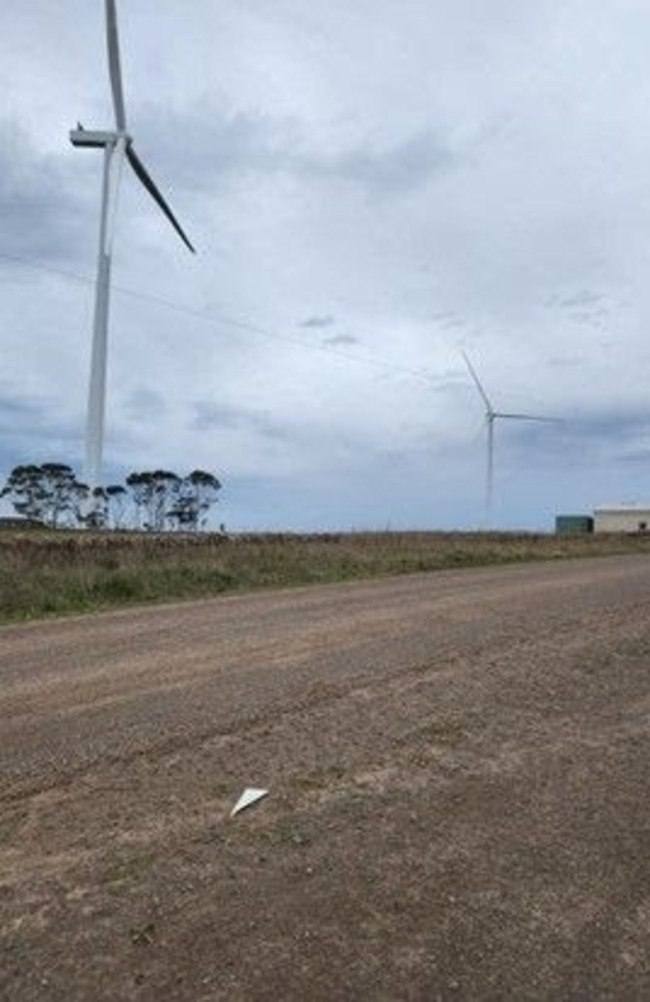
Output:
x,y
459,793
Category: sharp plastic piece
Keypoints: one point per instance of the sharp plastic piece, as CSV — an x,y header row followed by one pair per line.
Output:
x,y
250,796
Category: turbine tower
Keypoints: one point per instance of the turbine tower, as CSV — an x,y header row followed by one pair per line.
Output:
x,y
117,145
490,417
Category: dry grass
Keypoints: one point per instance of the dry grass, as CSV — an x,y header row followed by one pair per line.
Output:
x,y
55,573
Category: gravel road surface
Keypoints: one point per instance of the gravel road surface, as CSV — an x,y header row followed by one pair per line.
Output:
x,y
459,793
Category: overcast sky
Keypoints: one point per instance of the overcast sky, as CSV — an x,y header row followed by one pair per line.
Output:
x,y
371,186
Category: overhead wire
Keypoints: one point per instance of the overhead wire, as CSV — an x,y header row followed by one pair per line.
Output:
x,y
229,321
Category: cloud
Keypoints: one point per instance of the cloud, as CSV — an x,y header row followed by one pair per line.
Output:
x,y
249,143
638,456
405,165
318,321
340,339
145,404
596,438
566,361
39,205
31,432
589,308
210,416
586,297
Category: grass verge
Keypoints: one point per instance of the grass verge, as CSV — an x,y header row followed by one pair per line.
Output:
x,y
58,573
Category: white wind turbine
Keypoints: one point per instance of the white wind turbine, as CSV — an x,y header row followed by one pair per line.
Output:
x,y
490,417
117,145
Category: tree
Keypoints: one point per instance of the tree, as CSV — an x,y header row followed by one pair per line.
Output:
x,y
92,509
25,492
154,493
196,494
115,497
206,487
165,500
49,493
140,488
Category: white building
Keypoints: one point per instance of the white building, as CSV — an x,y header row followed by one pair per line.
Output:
x,y
633,517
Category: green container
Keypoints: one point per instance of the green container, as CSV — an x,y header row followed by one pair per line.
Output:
x,y
573,525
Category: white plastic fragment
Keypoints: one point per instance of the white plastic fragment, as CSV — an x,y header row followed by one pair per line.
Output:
x,y
250,796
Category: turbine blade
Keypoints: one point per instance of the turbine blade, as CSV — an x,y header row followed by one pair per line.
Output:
x,y
477,381
114,177
528,417
114,65
146,180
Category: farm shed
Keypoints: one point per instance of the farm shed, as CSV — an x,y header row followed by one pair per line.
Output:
x,y
622,518
573,525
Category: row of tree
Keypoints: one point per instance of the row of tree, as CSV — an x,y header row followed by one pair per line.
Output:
x,y
155,500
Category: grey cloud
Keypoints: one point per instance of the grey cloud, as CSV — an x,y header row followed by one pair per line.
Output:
x,y
208,415
29,432
217,145
585,301
615,425
145,404
570,362
402,167
448,321
588,308
341,339
17,410
585,297
587,434
318,321
39,205
637,456
211,416
596,319
24,414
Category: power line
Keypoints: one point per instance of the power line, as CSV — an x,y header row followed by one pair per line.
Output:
x,y
225,320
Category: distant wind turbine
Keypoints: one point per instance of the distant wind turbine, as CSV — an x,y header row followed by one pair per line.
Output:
x,y
118,146
490,417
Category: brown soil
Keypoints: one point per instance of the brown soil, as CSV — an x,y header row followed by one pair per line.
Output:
x,y
458,807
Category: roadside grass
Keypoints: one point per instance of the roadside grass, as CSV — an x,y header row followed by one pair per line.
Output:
x,y
59,573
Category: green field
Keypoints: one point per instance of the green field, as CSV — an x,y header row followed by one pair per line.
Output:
x,y
58,573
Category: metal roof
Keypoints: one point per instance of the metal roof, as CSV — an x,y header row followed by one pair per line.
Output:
x,y
624,506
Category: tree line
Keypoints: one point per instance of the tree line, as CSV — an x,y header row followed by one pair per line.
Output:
x,y
153,500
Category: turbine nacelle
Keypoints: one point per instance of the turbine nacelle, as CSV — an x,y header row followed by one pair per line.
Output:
x,y
112,141
98,139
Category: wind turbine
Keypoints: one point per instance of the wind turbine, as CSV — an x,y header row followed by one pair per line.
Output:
x,y
490,417
117,145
